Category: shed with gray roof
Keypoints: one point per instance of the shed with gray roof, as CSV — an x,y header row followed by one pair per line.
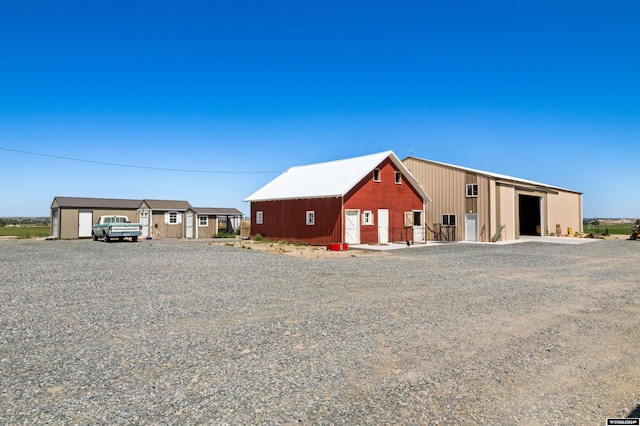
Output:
x,y
72,217
211,221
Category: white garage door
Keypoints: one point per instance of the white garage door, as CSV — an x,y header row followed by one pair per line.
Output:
x,y
84,224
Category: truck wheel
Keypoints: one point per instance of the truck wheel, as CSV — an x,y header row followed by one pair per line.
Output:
x,y
94,236
134,239
106,238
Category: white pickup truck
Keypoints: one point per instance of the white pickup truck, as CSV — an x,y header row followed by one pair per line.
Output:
x,y
115,227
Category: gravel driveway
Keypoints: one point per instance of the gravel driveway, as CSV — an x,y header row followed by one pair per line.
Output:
x,y
201,333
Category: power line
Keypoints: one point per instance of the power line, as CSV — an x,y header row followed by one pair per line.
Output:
x,y
105,163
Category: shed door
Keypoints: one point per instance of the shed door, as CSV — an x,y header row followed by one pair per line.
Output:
x,y
352,227
55,223
189,225
383,226
419,231
84,224
143,218
471,227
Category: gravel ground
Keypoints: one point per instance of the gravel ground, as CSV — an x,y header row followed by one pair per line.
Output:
x,y
201,333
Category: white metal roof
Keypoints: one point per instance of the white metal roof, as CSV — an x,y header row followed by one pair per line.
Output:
x,y
329,179
496,175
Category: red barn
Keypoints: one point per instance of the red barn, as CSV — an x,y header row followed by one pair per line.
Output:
x,y
361,200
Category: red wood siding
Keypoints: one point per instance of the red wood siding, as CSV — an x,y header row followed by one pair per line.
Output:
x,y
286,220
385,194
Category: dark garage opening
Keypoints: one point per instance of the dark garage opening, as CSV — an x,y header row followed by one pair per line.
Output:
x,y
529,215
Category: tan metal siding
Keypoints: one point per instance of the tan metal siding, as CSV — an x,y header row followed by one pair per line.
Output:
x,y
447,188
565,210
498,201
506,212
483,208
493,209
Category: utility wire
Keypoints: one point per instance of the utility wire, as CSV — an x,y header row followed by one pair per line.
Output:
x,y
104,163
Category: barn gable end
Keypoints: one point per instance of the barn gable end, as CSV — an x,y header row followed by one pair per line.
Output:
x,y
318,204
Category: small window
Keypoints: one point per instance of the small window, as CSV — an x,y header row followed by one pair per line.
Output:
x,y
417,218
367,218
472,190
259,218
449,220
398,178
376,175
203,220
172,218
311,218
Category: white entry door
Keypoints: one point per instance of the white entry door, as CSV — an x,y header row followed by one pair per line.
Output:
x,y
352,226
419,231
55,223
383,226
84,224
471,227
143,219
189,225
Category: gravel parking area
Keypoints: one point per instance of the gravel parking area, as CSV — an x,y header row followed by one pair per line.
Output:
x,y
202,333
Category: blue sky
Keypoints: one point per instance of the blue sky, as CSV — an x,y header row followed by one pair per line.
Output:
x,y
237,92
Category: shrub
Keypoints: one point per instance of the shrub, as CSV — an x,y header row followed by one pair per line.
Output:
x,y
225,235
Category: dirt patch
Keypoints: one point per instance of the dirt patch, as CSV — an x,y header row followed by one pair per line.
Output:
x,y
300,250
617,237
